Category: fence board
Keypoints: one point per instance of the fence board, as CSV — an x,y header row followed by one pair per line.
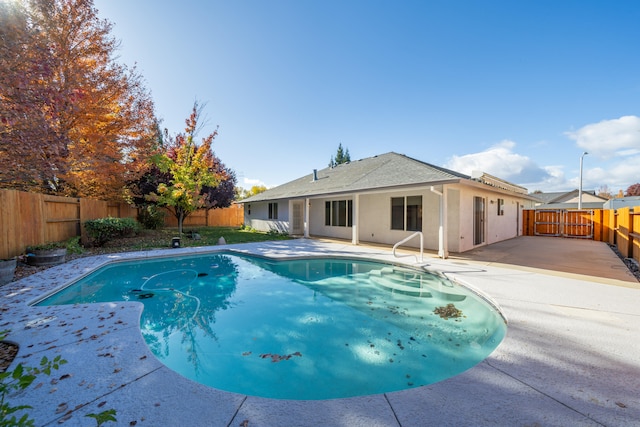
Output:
x,y
61,218
623,240
635,233
233,216
30,220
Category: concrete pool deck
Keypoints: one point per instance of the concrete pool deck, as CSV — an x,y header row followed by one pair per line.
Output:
x,y
571,355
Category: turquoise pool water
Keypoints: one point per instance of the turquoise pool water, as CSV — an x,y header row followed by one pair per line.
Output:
x,y
299,329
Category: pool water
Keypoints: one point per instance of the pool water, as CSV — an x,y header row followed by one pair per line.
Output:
x,y
299,329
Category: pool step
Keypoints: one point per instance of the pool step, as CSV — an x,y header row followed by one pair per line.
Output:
x,y
399,287
415,283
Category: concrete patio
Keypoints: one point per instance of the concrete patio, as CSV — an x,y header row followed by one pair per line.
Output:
x,y
571,356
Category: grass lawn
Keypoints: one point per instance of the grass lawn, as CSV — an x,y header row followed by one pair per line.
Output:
x,y
158,239
209,236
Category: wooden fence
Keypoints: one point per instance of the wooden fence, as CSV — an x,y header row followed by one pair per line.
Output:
x,y
625,223
619,227
32,219
233,216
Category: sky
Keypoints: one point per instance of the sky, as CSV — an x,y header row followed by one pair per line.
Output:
x,y
517,89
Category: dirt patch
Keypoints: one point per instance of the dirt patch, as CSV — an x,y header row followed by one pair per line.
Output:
x,y
8,352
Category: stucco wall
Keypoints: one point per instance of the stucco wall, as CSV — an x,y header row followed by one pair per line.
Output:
x,y
496,227
375,219
256,215
316,218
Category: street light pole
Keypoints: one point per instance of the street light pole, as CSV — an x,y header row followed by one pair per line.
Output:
x,y
580,188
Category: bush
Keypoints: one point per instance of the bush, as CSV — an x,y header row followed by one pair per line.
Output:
x,y
101,230
151,217
72,245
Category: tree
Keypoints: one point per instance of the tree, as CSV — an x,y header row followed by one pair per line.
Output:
x,y
73,120
192,168
342,156
256,189
29,143
605,192
223,194
633,190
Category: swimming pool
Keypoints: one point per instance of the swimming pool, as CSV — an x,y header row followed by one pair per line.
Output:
x,y
299,329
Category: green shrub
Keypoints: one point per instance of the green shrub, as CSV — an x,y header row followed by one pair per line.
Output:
x,y
72,245
276,232
101,230
151,217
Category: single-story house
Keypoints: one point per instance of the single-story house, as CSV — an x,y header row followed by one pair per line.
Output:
x,y
387,198
622,202
569,200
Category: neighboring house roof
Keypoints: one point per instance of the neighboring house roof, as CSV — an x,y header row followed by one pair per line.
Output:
x,y
390,170
549,197
569,199
622,202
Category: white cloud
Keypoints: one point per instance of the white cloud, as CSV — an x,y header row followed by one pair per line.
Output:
x,y
614,159
250,182
625,173
501,161
609,138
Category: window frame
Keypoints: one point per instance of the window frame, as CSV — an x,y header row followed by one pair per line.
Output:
x,y
500,204
406,213
273,210
338,213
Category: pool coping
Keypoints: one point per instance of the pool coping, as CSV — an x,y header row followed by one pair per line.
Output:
x,y
568,357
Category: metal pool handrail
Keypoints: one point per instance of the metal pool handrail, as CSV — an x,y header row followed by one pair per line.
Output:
x,y
405,240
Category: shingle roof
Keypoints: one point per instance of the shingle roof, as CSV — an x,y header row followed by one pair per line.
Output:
x,y
561,196
383,171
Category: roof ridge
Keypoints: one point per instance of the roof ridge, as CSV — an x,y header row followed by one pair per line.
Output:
x,y
436,167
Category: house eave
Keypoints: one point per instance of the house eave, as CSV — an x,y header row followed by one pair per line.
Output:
x,y
389,189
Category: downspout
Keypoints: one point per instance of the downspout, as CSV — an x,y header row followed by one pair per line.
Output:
x,y
442,243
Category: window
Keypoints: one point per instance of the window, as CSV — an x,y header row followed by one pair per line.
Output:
x,y
327,213
414,213
500,207
273,211
409,219
338,213
397,213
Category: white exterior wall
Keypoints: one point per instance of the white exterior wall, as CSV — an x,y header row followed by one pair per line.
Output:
x,y
256,215
496,227
316,220
375,219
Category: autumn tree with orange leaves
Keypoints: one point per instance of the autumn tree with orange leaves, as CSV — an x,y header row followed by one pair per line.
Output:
x,y
73,121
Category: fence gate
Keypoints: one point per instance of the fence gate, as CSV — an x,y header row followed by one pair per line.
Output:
x,y
564,223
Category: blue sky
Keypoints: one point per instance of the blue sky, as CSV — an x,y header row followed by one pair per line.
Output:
x,y
518,89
